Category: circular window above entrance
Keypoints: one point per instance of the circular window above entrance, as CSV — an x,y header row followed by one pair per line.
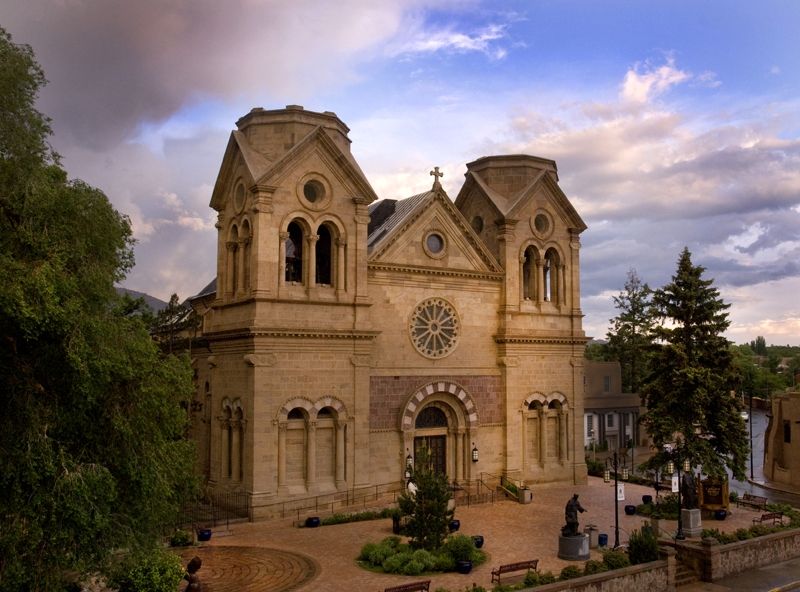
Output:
x,y
314,191
434,328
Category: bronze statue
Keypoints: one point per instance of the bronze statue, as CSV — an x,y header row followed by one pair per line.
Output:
x,y
571,515
192,577
689,491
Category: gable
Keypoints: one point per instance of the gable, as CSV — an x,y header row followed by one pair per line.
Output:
x,y
240,160
432,235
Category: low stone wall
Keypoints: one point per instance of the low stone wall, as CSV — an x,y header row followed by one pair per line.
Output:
x,y
656,576
713,561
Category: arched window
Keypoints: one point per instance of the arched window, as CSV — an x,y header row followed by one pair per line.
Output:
x,y
294,253
324,256
529,274
245,247
551,272
431,417
232,262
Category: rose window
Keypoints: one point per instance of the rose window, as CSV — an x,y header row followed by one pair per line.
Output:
x,y
434,328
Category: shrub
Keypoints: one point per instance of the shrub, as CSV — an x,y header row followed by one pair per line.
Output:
x,y
426,558
444,562
180,538
157,571
396,563
594,566
413,568
733,497
570,573
615,559
547,577
643,546
594,467
366,551
460,547
743,534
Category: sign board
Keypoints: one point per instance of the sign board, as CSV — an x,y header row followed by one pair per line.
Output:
x,y
713,494
674,484
620,492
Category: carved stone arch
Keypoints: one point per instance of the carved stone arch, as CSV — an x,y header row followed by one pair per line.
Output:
x,y
429,392
226,404
233,231
246,228
535,398
333,403
300,217
560,398
334,222
301,402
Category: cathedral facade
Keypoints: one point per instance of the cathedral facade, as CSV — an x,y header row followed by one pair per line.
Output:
x,y
346,332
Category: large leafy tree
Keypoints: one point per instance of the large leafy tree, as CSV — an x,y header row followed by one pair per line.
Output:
x,y
689,392
91,454
631,331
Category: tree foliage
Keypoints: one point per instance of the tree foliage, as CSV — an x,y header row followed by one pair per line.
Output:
x,y
91,454
689,392
428,507
630,335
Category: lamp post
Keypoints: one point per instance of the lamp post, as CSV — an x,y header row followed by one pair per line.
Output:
x,y
686,465
618,460
750,421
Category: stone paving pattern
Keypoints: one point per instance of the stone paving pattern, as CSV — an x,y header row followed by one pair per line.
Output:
x,y
278,556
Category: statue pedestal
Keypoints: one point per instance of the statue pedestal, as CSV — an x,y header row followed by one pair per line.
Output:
x,y
573,548
692,522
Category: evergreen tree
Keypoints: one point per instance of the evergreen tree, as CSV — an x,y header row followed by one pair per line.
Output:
x,y
427,506
630,334
91,455
689,392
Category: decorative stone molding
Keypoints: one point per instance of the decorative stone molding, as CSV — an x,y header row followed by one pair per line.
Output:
x,y
417,399
257,360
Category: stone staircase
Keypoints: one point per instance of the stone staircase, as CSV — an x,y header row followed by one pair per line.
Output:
x,y
684,575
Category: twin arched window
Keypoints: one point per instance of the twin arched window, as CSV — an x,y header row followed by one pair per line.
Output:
x,y
323,258
543,276
238,259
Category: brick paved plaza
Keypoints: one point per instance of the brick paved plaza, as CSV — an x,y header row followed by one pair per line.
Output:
x,y
276,556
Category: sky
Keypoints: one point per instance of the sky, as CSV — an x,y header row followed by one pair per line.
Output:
x,y
673,123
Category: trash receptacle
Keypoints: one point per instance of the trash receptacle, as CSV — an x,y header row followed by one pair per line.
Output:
x,y
525,495
593,532
602,540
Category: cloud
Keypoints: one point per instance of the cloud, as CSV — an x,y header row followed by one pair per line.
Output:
x,y
423,40
643,82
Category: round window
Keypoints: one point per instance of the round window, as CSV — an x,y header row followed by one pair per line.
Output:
x,y
435,243
541,223
313,191
434,328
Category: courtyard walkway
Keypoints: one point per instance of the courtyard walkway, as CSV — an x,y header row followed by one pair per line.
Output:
x,y
277,556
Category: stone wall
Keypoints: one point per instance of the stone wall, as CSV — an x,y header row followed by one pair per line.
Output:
x,y
714,561
657,576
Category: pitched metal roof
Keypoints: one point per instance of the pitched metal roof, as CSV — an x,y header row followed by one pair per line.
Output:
x,y
388,213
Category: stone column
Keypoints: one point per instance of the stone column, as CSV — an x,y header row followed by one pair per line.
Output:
x,y
230,265
542,435
341,265
311,456
311,259
523,279
562,435
562,284
282,455
340,454
225,451
459,435
236,449
539,281
241,253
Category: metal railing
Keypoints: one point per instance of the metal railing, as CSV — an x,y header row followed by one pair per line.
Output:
x,y
215,509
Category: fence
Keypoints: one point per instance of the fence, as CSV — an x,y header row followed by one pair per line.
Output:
x,y
215,509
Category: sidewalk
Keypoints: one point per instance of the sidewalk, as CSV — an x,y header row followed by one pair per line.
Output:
x,y
274,555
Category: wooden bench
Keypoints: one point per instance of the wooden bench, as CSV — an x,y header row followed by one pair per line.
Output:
x,y
774,517
531,564
754,501
422,586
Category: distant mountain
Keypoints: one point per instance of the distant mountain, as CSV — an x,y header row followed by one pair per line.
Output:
x,y
151,301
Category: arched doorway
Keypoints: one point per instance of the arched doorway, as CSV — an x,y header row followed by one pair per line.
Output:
x,y
442,417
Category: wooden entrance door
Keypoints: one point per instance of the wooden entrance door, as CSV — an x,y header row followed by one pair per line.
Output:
x,y
437,448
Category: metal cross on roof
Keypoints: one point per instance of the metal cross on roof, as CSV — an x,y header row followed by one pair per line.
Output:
x,y
436,174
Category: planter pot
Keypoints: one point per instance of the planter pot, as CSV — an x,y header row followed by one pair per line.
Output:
x,y
720,514
647,499
463,566
478,540
630,510
454,525
312,522
203,534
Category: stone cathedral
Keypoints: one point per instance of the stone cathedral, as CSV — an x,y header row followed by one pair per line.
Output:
x,y
344,331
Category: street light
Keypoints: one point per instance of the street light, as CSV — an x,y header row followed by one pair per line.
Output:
x,y
615,462
686,465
